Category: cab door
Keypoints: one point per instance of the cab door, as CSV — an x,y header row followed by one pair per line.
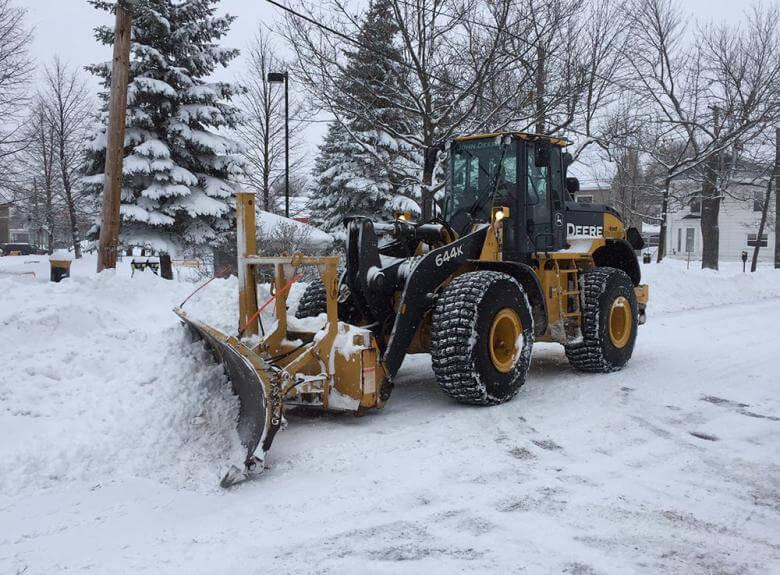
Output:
x,y
545,220
558,189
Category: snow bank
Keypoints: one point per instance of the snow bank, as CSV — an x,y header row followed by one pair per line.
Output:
x,y
100,381
673,288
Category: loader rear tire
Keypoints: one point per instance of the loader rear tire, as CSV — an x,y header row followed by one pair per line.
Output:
x,y
482,336
313,302
609,322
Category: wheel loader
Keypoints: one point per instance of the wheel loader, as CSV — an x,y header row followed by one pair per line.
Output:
x,y
510,260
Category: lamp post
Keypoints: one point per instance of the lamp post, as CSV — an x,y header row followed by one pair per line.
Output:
x,y
274,78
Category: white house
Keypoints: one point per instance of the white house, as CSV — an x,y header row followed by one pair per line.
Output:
x,y
738,221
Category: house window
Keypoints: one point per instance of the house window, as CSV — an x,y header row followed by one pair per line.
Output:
x,y
679,240
758,202
689,232
583,199
695,205
752,240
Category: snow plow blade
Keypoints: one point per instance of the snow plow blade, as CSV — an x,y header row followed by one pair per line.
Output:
x,y
321,363
259,415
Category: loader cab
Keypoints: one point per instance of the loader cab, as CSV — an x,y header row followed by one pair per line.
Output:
x,y
522,172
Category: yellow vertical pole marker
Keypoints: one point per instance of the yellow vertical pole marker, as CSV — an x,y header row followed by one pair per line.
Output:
x,y
329,277
330,280
280,304
246,233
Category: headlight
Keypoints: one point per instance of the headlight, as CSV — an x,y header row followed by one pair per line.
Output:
x,y
499,214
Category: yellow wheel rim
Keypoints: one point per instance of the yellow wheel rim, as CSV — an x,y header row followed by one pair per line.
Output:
x,y
620,322
505,332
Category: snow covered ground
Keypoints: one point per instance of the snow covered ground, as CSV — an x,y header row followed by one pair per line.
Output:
x,y
115,429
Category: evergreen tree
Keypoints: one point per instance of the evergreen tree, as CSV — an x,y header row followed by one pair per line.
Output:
x,y
331,198
177,187
362,169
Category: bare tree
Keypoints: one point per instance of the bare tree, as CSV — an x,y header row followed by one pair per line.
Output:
x,y
68,108
765,160
704,100
36,193
567,70
263,130
15,71
668,83
743,71
763,223
451,54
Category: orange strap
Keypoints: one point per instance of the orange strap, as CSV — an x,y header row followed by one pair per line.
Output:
x,y
255,315
219,273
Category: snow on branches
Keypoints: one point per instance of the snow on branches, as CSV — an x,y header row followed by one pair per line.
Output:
x,y
179,166
362,168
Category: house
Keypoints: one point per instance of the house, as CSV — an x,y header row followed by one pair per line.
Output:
x,y
593,195
738,222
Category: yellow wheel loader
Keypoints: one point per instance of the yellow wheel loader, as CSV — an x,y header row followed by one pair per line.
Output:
x,y
511,260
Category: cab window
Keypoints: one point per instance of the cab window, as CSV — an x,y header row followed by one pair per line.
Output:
x,y
477,167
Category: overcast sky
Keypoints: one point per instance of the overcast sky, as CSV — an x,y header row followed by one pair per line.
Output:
x,y
64,27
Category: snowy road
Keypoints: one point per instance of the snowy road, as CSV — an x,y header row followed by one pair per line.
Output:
x,y
670,466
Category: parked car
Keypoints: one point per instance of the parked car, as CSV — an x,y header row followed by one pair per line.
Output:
x,y
22,249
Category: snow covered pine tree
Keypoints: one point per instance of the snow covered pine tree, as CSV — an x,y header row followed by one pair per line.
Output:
x,y
177,188
362,169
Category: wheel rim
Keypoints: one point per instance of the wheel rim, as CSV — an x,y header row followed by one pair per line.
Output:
x,y
505,332
620,322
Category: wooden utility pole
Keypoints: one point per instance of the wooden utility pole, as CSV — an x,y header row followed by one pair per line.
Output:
x,y
777,199
115,145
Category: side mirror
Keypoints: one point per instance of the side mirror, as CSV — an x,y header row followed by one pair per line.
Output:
x,y
572,186
542,154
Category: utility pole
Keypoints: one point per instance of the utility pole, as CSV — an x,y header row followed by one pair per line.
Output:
x,y
115,145
539,86
777,198
286,146
279,77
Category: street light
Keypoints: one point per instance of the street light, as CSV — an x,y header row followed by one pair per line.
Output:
x,y
276,78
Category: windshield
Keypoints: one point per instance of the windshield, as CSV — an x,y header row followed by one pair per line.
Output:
x,y
474,168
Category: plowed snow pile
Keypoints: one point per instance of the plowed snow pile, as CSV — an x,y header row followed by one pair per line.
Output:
x,y
99,380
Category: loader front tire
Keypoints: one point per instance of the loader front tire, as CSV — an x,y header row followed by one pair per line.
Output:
x,y
482,336
314,300
609,322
